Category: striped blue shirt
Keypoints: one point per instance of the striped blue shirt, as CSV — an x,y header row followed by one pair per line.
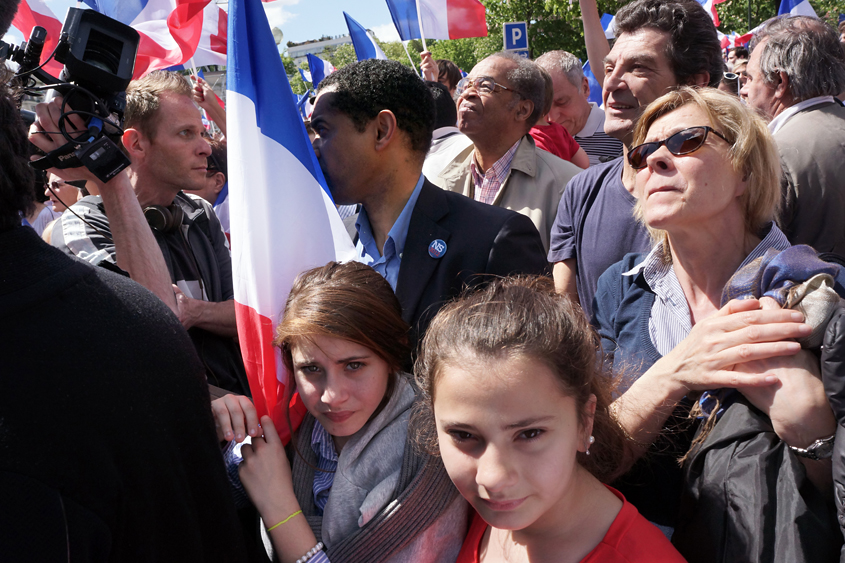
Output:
x,y
323,446
670,321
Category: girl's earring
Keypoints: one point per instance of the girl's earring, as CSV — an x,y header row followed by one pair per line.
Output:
x,y
590,442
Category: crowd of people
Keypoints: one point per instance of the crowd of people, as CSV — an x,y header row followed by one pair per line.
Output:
x,y
572,332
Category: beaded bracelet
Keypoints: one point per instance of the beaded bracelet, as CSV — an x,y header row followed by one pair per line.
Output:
x,y
311,553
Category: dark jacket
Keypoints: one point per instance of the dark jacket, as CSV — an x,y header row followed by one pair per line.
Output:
x,y
482,242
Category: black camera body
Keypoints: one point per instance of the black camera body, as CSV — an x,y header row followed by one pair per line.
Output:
x,y
98,54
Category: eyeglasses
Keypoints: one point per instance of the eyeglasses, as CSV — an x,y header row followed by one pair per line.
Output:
x,y
683,142
78,184
482,85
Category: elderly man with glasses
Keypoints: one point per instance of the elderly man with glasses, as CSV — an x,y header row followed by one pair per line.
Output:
x,y
498,103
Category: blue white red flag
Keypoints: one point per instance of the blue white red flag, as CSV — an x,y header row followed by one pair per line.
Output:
x,y
319,69
35,12
283,220
364,44
608,23
595,85
440,19
304,74
710,6
796,8
170,30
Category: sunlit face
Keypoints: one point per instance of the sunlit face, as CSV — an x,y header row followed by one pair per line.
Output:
x,y
637,72
179,150
756,92
483,114
62,194
688,191
509,438
340,382
570,107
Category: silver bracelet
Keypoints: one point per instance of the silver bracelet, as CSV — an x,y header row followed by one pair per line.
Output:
x,y
311,553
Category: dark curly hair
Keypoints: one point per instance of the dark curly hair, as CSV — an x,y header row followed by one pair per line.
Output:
x,y
16,177
693,46
8,9
363,89
524,317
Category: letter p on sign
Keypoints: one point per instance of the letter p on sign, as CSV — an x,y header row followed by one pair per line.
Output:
x,y
516,36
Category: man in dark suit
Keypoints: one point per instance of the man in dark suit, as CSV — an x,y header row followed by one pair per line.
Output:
x,y
373,121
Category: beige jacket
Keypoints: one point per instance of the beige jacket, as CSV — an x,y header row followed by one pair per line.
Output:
x,y
533,186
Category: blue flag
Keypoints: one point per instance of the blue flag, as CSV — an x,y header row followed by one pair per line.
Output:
x,y
404,14
365,46
595,87
319,69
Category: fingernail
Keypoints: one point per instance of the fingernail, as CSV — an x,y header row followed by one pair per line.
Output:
x,y
252,431
229,434
796,316
240,437
806,329
771,379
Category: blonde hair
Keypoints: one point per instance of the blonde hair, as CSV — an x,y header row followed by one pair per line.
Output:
x,y
752,152
143,99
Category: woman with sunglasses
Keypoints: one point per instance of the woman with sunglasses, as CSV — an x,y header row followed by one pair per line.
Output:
x,y
708,188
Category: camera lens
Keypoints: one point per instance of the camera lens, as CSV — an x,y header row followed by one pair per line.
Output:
x,y
103,51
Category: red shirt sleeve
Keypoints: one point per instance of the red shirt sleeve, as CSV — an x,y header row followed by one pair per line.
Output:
x,y
555,139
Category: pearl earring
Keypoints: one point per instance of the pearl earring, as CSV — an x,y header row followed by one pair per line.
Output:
x,y
590,442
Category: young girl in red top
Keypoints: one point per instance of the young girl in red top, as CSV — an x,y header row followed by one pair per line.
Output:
x,y
517,402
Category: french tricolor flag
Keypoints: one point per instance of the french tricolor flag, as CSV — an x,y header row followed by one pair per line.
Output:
x,y
364,44
35,12
283,220
440,19
710,6
170,29
319,69
796,8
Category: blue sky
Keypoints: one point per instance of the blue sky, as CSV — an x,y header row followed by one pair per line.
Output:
x,y
299,20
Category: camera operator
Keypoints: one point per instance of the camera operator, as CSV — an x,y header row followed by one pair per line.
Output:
x,y
107,446
145,226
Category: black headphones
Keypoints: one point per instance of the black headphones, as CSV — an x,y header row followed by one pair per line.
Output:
x,y
164,219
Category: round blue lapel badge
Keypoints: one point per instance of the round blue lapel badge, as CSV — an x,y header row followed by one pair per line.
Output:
x,y
437,248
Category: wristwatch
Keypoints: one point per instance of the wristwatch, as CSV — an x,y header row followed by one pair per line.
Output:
x,y
820,449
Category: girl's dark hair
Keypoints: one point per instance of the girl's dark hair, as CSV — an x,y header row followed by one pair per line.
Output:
x,y
350,301
524,317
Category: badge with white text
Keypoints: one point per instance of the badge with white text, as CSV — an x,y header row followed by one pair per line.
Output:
x,y
437,248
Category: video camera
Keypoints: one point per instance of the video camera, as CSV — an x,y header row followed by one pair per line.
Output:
x,y
99,57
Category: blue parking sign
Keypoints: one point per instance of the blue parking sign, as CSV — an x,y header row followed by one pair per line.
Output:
x,y
516,36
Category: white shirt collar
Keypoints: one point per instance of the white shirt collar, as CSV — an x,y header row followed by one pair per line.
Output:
x,y
595,122
443,131
784,116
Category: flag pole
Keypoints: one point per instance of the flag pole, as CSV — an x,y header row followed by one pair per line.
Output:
x,y
413,66
422,33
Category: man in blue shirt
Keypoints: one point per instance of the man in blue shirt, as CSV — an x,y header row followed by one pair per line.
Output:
x,y
374,120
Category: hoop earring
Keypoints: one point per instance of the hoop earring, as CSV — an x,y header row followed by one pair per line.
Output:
x,y
590,442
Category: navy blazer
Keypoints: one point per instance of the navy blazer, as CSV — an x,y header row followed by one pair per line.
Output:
x,y
482,241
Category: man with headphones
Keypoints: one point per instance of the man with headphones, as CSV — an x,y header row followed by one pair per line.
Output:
x,y
171,243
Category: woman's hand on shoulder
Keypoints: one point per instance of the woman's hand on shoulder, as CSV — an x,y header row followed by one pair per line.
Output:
x,y
739,332
266,475
235,417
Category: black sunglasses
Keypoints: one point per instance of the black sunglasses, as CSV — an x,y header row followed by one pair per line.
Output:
x,y
681,143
